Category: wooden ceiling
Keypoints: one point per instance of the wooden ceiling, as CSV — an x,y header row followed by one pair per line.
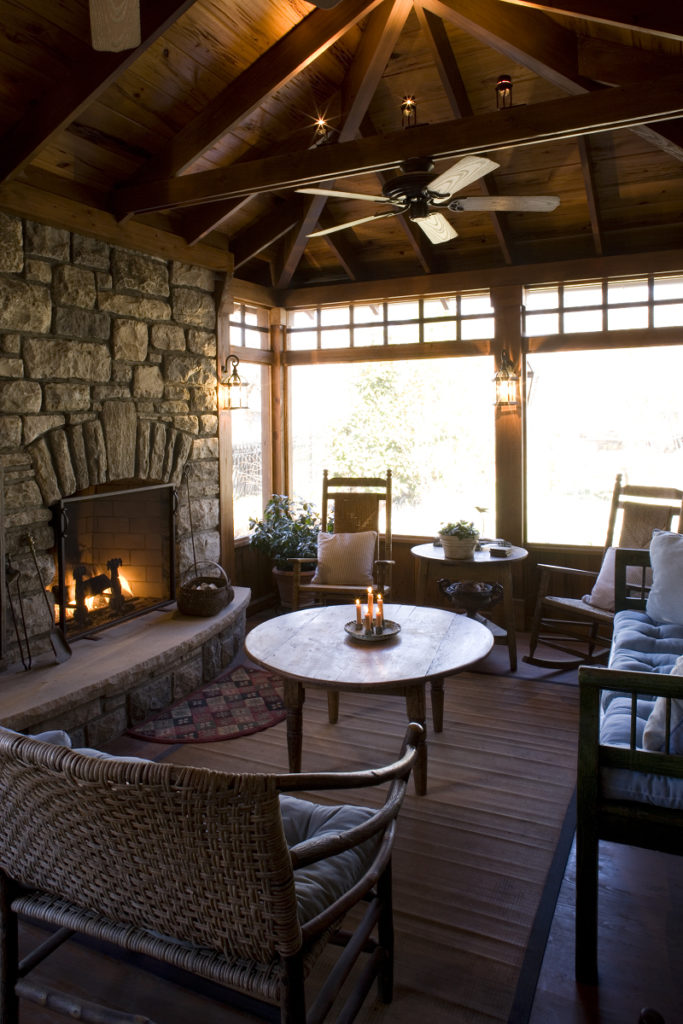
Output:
x,y
191,145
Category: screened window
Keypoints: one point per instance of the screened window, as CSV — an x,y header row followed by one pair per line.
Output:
x,y
614,305
250,431
594,414
430,421
466,317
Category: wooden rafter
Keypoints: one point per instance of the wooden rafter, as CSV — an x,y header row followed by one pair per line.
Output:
x,y
341,248
591,192
537,42
459,102
658,17
94,73
607,109
359,87
277,66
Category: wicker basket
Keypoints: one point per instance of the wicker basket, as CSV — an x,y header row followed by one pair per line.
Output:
x,y
205,595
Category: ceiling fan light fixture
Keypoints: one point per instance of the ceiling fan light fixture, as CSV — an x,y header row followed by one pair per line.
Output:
x,y
408,112
503,92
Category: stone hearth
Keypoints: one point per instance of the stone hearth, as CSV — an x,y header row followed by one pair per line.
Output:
x,y
120,676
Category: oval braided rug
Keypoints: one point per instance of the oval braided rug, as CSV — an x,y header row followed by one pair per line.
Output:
x,y
238,702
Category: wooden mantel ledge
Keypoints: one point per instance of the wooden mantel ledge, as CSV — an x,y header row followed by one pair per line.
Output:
x,y
107,664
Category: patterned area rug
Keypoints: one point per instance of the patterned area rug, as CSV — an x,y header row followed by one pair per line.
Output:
x,y
238,702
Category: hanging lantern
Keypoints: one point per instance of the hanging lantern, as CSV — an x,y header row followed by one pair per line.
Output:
x,y
503,92
507,382
233,388
408,112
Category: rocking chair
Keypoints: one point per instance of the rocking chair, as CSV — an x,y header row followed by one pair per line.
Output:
x,y
581,626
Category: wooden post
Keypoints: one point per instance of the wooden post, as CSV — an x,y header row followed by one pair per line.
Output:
x,y
278,321
509,439
224,305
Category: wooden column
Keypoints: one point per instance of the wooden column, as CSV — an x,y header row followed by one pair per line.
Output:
x,y
224,305
278,321
510,511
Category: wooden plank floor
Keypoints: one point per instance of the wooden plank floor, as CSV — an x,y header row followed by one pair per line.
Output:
x,y
469,865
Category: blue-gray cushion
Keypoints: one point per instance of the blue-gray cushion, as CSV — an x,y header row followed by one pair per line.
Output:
x,y
319,884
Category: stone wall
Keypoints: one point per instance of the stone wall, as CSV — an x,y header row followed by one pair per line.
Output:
x,y
107,374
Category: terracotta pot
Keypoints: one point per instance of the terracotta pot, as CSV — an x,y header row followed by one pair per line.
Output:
x,y
284,581
458,547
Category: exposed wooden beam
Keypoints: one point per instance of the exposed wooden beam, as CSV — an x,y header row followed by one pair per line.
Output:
x,y
85,82
458,100
379,39
591,192
529,38
534,40
265,231
635,264
341,248
270,72
607,109
658,17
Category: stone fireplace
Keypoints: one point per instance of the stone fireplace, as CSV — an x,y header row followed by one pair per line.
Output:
x,y
107,383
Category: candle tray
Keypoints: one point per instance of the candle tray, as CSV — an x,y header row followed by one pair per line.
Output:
x,y
390,629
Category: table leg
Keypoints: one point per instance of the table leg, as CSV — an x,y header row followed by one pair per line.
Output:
x,y
294,695
437,704
416,708
422,579
509,611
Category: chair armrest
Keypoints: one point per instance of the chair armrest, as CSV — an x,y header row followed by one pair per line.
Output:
x,y
567,570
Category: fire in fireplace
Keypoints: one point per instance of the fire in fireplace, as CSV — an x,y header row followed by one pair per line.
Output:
x,y
115,557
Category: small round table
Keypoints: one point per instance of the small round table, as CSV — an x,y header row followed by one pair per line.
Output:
x,y
432,565
311,648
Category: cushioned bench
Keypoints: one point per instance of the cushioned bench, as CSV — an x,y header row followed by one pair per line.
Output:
x,y
630,769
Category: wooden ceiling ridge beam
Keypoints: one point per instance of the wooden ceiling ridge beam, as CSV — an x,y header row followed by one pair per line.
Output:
x,y
290,55
378,40
568,117
453,85
656,17
96,72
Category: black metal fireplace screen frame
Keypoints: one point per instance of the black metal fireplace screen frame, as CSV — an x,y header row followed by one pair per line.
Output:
x,y
122,609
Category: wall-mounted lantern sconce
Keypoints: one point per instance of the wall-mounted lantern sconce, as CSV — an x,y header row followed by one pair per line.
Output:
x,y
507,382
503,92
233,389
408,112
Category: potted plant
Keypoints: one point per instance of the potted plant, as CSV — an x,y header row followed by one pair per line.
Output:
x,y
459,539
289,529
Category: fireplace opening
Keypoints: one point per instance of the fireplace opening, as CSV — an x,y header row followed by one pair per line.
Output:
x,y
115,557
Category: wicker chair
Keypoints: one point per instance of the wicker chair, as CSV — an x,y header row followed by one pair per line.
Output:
x,y
120,850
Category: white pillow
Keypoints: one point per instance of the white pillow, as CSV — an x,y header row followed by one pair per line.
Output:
x,y
655,728
346,559
665,600
602,594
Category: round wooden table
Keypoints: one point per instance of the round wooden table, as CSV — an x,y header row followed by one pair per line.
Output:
x,y
432,565
311,648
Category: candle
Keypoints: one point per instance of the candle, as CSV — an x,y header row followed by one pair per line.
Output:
x,y
370,602
368,624
380,609
359,621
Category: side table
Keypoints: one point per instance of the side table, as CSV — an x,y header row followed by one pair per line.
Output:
x,y
432,565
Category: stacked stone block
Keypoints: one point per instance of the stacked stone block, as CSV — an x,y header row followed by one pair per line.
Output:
x,y
107,374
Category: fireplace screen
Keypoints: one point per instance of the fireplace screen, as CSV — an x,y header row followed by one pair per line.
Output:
x,y
115,557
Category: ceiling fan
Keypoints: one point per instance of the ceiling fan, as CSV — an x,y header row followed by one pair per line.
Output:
x,y
418,193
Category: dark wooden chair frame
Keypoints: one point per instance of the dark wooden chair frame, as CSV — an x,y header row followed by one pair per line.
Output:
x,y
618,821
585,635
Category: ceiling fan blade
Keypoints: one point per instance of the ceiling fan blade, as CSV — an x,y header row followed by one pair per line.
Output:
x,y
501,204
354,223
342,195
467,170
115,24
436,228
